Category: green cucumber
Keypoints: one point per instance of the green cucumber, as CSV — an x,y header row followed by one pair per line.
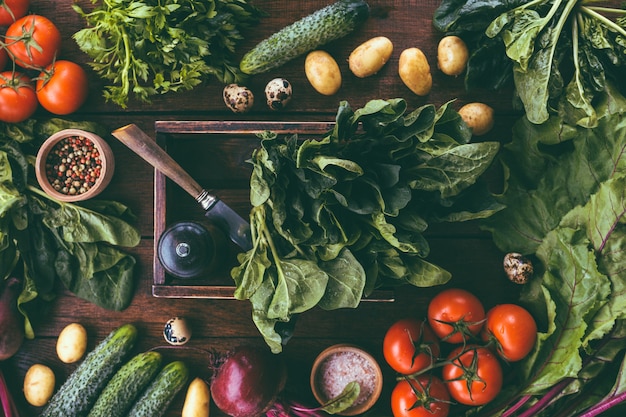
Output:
x,y
126,385
81,389
322,26
154,401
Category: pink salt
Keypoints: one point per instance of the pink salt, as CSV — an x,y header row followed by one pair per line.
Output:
x,y
341,368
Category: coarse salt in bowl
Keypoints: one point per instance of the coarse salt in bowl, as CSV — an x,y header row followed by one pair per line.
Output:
x,y
74,165
337,366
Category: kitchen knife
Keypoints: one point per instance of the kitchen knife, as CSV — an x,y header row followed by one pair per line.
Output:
x,y
216,210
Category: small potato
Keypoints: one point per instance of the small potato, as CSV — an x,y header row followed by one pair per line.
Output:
x,y
369,57
38,385
414,71
452,55
478,116
323,73
72,343
197,399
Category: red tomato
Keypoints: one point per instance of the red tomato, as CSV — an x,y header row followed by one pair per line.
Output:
x,y
33,41
410,346
456,315
11,10
423,396
18,100
513,329
473,376
4,58
62,87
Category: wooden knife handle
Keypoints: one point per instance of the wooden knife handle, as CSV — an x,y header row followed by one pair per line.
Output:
x,y
147,148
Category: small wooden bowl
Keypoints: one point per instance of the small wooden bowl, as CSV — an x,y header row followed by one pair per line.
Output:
x,y
345,361
107,165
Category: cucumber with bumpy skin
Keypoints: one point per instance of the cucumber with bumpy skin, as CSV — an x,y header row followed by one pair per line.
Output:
x,y
154,401
322,26
81,389
126,385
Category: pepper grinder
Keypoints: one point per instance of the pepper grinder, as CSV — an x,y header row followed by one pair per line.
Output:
x,y
187,250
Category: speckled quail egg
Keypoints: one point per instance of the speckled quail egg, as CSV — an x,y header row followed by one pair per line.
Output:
x,y
278,93
177,331
238,98
518,268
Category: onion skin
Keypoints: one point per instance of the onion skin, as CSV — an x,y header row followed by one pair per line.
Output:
x,y
248,383
11,323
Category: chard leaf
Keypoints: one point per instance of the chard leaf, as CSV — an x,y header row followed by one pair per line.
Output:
x,y
573,283
545,183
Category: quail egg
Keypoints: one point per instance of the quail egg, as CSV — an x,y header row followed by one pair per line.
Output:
x,y
278,93
238,98
177,331
518,268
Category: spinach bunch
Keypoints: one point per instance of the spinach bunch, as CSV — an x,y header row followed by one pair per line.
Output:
x,y
148,47
565,207
559,53
335,218
51,242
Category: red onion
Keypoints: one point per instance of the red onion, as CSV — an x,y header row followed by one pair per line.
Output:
x,y
248,382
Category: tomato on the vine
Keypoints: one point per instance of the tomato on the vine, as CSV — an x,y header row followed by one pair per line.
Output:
x,y
62,87
456,315
11,10
513,330
410,346
422,396
33,41
4,58
18,100
473,376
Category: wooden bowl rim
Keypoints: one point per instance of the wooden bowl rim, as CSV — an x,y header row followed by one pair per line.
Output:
x,y
347,347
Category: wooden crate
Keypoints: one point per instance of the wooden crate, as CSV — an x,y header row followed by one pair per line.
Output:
x,y
215,154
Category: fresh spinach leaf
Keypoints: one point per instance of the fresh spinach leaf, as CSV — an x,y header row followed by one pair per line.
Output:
x,y
335,218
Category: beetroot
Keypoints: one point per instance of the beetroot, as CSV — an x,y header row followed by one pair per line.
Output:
x,y
248,382
11,321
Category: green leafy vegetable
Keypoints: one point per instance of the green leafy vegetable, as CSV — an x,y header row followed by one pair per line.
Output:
x,y
48,241
565,200
335,218
148,47
560,53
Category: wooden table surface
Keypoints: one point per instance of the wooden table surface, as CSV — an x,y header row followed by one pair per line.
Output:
x,y
223,324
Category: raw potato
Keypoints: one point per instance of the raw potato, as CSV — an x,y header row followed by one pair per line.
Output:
x,y
197,399
452,55
478,116
323,73
415,72
369,57
72,343
39,385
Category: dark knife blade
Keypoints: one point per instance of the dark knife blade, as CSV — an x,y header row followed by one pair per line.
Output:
x,y
230,223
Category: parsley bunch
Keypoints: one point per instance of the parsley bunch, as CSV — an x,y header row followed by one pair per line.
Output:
x,y
155,46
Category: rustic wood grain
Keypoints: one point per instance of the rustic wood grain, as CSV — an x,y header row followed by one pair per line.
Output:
x,y
223,324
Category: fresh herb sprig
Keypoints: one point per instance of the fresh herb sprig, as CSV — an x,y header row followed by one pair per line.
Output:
x,y
559,53
148,47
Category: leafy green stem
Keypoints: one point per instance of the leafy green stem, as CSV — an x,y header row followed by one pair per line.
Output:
x,y
593,12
